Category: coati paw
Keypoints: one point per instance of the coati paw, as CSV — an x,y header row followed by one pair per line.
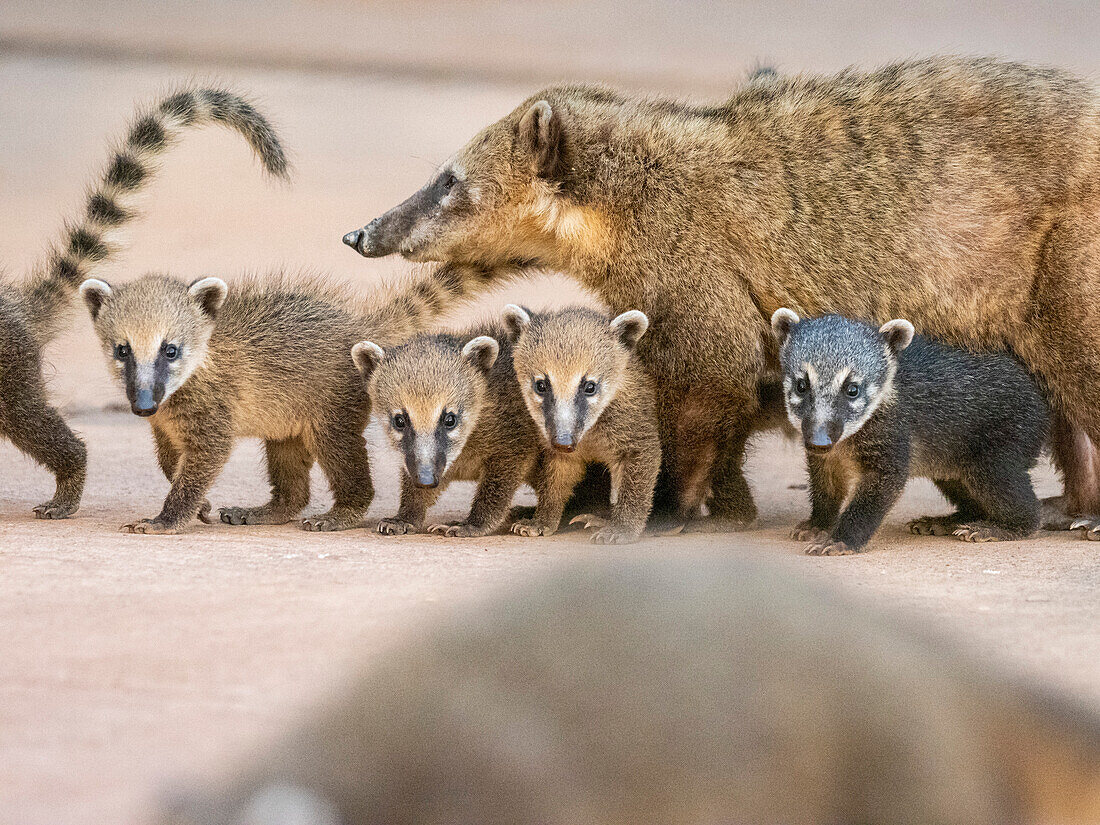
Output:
x,y
807,532
981,533
458,530
149,527
1089,527
395,527
934,525
588,521
327,523
1054,516
614,535
54,510
828,547
252,515
204,513
530,529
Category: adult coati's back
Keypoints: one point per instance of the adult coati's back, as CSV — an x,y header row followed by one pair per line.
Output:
x,y
696,690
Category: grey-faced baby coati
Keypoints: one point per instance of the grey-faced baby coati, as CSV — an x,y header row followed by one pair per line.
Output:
x,y
877,405
269,359
686,691
31,312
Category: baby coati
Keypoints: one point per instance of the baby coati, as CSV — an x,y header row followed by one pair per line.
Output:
x,y
876,406
31,312
592,402
455,413
208,364
679,691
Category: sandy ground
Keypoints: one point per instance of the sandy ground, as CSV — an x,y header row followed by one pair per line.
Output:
x,y
127,659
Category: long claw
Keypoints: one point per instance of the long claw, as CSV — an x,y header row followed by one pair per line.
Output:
x,y
589,521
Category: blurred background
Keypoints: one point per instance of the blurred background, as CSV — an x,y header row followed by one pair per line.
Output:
x,y
123,659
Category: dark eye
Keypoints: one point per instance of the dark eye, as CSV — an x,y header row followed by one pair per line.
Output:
x,y
541,385
171,352
450,420
589,387
801,385
853,390
122,352
399,421
449,182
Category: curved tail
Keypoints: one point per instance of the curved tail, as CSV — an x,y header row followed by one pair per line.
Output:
x,y
112,200
394,315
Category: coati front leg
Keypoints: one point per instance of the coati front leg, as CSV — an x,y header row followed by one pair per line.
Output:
x,y
828,489
288,465
637,472
500,480
342,454
556,478
205,443
877,491
37,429
168,458
966,509
413,509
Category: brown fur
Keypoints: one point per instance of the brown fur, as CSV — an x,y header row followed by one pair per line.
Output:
x,y
678,692
32,312
616,427
962,194
263,359
494,442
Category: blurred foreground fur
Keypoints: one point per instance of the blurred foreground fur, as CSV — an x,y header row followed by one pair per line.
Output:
x,y
705,690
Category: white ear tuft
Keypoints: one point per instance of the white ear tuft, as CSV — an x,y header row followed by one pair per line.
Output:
x,y
898,334
367,355
630,326
783,320
516,319
481,352
95,293
209,293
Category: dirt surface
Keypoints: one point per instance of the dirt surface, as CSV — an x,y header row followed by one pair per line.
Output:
x,y
128,659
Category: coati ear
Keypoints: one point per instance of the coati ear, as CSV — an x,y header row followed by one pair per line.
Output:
x,y
481,352
898,334
367,355
783,320
540,133
630,326
210,294
95,293
516,319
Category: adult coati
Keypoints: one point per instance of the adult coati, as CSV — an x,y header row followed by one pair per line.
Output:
x,y
31,312
673,692
962,194
876,406
208,364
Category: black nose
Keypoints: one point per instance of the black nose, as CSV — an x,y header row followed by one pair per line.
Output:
x,y
819,440
563,442
426,478
144,404
353,240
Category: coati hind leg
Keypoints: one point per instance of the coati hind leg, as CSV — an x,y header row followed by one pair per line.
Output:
x,y
37,429
1009,507
730,504
288,465
966,509
342,454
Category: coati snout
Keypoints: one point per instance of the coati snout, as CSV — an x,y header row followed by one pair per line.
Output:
x,y
833,383
431,397
569,365
153,344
